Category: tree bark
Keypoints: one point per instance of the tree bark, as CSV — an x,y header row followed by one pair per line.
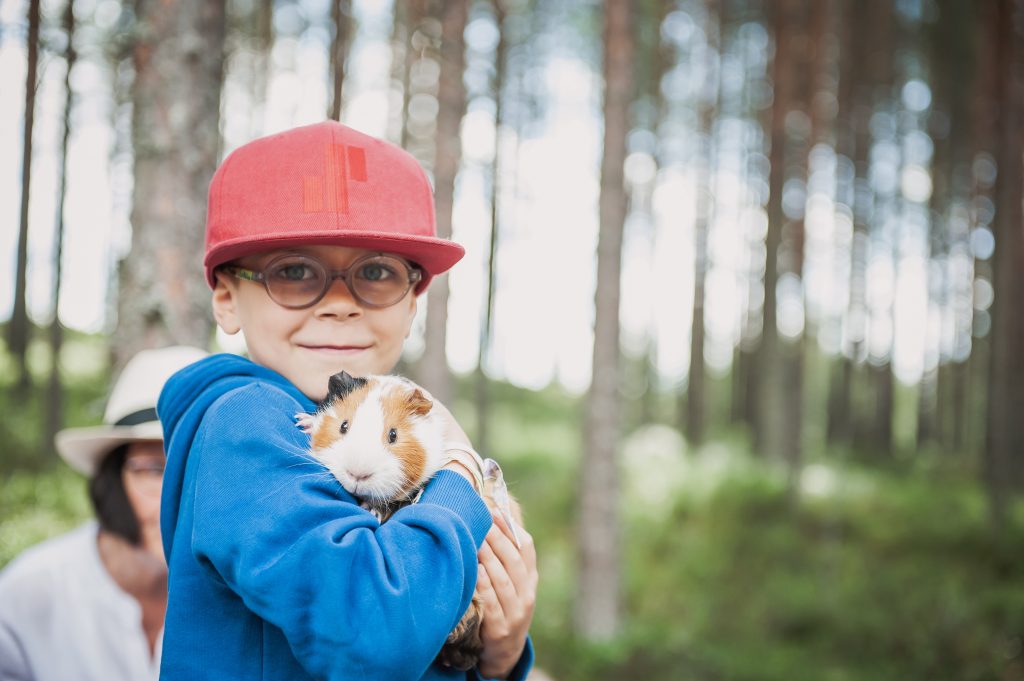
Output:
x,y
851,140
18,329
341,19
483,397
54,390
179,64
451,96
696,397
598,602
774,398
1006,389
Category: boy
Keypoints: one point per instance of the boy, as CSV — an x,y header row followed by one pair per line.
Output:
x,y
275,571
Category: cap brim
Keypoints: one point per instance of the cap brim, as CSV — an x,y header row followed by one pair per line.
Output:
x,y
434,255
84,448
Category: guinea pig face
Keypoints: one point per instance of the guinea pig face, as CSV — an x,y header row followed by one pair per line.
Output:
x,y
381,440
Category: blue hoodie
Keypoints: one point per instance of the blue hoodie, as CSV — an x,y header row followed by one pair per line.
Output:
x,y
275,571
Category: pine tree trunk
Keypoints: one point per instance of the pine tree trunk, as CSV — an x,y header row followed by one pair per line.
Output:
x,y
262,65
451,96
983,104
55,389
341,19
1006,389
696,397
483,397
773,398
851,126
179,64
18,327
598,601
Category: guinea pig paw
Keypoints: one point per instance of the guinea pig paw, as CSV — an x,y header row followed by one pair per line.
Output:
x,y
304,422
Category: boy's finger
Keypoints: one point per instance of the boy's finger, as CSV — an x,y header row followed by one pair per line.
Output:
x,y
527,549
501,521
501,582
510,558
485,591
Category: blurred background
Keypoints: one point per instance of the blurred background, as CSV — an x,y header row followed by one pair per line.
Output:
x,y
740,310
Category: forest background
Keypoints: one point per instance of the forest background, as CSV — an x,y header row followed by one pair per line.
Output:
x,y
740,312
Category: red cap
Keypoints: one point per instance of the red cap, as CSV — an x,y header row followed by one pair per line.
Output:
x,y
324,184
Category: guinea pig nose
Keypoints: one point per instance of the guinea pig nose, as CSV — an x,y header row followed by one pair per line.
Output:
x,y
359,477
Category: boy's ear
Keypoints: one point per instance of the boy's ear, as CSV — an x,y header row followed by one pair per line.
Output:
x,y
225,310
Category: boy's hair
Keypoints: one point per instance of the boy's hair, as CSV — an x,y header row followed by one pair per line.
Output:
x,y
324,184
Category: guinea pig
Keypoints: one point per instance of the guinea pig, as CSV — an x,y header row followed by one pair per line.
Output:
x,y
383,441
379,436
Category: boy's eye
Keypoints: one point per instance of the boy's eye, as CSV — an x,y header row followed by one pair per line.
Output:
x,y
344,427
293,271
392,436
375,272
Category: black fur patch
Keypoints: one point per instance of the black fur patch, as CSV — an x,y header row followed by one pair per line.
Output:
x,y
340,385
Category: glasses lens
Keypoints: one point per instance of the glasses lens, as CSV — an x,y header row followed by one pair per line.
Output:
x,y
380,280
295,280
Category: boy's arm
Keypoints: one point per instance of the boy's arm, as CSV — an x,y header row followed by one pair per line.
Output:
x,y
285,536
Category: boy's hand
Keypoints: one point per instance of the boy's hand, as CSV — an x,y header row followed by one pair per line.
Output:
x,y
507,587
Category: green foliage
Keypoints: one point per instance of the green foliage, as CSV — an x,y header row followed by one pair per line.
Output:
x,y
872,575
84,375
37,505
887,579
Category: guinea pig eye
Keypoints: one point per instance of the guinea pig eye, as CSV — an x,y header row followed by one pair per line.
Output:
x,y
392,435
344,427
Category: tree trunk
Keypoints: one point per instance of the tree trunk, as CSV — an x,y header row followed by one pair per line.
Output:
x,y
54,389
851,140
262,65
1006,389
597,606
696,397
18,329
483,397
983,104
179,64
774,399
451,96
341,19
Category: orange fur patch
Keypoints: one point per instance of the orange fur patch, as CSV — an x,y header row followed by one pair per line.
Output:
x,y
399,406
329,430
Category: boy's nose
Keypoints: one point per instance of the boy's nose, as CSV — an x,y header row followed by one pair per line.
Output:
x,y
338,302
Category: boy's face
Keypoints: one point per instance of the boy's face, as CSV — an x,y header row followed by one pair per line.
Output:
x,y
308,346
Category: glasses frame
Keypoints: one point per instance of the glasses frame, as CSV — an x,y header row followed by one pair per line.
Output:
x,y
414,275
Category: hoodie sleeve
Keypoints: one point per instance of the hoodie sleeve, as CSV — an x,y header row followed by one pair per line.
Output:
x,y
283,534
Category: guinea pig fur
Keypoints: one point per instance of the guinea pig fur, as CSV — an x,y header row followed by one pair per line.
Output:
x,y
379,436
382,439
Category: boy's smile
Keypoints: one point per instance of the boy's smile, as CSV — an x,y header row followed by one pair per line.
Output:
x,y
309,345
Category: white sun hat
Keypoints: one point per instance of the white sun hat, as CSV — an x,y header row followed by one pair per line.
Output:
x,y
130,415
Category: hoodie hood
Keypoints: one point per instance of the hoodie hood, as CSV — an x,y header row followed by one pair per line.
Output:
x,y
184,401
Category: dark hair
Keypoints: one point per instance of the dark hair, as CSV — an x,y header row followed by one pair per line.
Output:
x,y
110,500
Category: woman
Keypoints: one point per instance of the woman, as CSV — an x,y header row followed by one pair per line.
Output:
x,y
90,604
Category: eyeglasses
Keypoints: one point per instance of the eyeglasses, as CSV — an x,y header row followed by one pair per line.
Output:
x,y
299,281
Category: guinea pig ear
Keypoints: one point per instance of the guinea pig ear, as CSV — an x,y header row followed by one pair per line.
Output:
x,y
419,403
341,384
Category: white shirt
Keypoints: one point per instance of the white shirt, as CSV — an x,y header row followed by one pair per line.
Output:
x,y
63,617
